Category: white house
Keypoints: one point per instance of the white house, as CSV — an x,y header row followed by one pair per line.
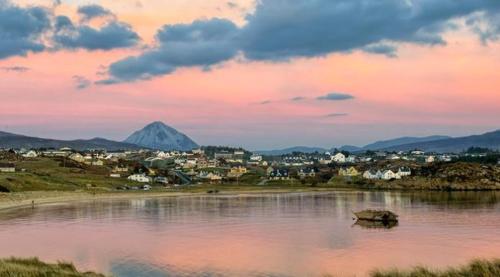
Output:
x,y
393,157
30,154
77,157
97,163
198,151
325,161
141,178
445,158
430,159
372,174
351,159
404,171
162,155
256,158
389,175
213,178
339,158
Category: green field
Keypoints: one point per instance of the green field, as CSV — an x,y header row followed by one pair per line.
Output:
x,y
478,268
32,267
45,174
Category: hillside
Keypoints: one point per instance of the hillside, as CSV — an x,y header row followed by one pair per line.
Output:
x,y
302,149
489,140
9,140
383,144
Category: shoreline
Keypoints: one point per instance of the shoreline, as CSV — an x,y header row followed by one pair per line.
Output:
x,y
18,200
13,201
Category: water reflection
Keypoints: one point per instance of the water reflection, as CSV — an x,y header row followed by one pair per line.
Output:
x,y
368,224
307,234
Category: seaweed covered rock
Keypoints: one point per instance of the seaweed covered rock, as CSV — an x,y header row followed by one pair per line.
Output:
x,y
377,215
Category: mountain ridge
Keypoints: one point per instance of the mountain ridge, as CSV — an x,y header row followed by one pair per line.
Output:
x,y
303,149
382,144
11,140
490,140
436,143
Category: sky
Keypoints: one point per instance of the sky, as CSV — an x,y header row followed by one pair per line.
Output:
x,y
258,74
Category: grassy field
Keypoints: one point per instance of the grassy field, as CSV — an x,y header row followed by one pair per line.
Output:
x,y
32,267
45,174
478,268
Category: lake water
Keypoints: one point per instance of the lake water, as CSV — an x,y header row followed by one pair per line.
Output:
x,y
310,234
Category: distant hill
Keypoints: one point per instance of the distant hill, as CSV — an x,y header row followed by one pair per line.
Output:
x,y
439,144
158,135
302,149
489,140
349,148
384,144
9,140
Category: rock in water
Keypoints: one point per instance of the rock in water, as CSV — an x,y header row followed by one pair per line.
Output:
x,y
158,135
377,215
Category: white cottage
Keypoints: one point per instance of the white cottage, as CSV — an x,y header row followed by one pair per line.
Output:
x,y
339,158
30,154
389,175
141,178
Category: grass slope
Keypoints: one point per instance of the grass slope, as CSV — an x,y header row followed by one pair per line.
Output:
x,y
43,174
478,268
33,267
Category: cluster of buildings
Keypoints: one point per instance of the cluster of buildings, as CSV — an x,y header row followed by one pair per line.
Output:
x,y
387,174
376,174
226,164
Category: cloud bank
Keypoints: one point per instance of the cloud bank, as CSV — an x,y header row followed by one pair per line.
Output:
x,y
22,29
34,29
280,30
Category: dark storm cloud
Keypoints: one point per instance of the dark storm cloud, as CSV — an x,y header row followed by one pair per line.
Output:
x,y
89,12
280,30
201,43
335,96
63,22
21,29
35,29
383,49
486,25
110,36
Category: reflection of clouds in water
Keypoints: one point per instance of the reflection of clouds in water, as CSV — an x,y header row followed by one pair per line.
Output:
x,y
295,234
208,208
340,239
139,269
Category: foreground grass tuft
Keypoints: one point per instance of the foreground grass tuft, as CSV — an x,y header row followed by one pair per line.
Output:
x,y
33,267
478,268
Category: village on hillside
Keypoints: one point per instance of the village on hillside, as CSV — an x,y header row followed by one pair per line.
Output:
x,y
147,169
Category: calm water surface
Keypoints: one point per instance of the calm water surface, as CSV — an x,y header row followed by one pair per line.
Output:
x,y
268,235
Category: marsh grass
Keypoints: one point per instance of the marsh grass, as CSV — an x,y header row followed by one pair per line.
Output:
x,y
33,267
477,268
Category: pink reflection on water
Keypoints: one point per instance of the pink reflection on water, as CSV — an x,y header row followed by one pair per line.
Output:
x,y
295,236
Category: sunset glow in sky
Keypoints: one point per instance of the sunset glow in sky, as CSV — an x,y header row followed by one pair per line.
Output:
x,y
258,74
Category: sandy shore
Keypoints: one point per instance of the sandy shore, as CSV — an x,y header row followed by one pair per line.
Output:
x,y
10,201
